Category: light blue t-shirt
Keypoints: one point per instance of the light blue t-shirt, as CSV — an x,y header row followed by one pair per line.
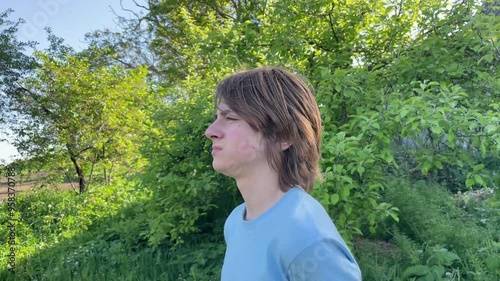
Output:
x,y
294,240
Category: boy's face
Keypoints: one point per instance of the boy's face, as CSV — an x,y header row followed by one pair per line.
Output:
x,y
236,148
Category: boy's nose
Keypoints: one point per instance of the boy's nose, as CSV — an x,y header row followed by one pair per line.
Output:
x,y
212,131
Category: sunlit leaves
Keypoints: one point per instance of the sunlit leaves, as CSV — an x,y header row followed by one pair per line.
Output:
x,y
401,85
86,113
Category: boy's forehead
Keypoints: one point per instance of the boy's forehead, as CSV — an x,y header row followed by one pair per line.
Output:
x,y
223,107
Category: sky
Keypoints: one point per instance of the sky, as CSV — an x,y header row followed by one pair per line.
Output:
x,y
68,19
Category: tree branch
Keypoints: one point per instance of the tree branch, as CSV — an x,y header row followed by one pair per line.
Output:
x,y
330,21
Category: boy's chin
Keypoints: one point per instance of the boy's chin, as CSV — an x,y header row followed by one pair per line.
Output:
x,y
225,169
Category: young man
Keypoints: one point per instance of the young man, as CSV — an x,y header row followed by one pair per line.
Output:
x,y
267,137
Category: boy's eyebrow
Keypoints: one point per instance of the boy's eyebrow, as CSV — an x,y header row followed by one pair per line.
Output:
x,y
224,111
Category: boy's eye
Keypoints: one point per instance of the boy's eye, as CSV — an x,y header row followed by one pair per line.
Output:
x,y
215,116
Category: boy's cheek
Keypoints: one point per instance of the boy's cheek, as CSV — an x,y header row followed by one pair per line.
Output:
x,y
246,149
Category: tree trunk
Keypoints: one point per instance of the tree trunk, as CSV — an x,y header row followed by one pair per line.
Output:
x,y
104,171
81,176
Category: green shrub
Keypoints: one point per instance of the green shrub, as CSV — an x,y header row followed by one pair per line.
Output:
x,y
444,235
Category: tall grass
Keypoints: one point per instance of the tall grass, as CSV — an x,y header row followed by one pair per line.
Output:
x,y
100,236
433,234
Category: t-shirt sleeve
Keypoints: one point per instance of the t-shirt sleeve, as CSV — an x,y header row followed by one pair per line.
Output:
x,y
327,260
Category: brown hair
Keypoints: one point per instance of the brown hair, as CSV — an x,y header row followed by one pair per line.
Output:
x,y
282,107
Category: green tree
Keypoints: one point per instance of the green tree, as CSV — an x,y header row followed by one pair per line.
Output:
x,y
400,84
14,64
72,109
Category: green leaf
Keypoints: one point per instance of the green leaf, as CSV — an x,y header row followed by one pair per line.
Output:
x,y
403,113
488,58
451,139
348,209
361,170
493,263
469,182
479,179
426,166
415,271
479,167
482,147
394,216
334,198
436,129
345,192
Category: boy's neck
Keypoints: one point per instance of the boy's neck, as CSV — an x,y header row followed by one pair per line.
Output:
x,y
260,193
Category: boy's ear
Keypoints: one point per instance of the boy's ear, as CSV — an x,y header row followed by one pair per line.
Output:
x,y
285,145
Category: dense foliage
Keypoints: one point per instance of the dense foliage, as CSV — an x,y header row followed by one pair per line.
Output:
x,y
397,84
14,64
410,99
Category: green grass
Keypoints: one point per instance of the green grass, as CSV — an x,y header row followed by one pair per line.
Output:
x,y
105,239
114,262
101,235
433,234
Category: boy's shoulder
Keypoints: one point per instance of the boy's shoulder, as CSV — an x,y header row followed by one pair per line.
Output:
x,y
304,211
297,219
305,223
